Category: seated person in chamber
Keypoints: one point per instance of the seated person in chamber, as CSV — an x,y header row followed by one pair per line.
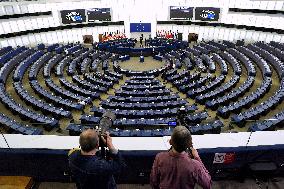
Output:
x,y
178,169
89,169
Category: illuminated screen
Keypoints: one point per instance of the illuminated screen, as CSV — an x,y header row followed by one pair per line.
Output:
x,y
207,13
99,14
172,123
73,16
181,13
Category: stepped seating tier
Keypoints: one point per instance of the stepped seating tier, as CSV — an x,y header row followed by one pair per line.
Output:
x,y
53,85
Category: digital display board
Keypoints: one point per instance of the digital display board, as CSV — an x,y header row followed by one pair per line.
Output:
x,y
99,14
207,13
181,13
140,27
73,16
172,123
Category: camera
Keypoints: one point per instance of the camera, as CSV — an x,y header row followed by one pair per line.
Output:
x,y
105,124
189,151
106,121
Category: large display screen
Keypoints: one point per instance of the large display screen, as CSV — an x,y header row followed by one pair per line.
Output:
x,y
181,13
73,16
207,13
99,14
140,27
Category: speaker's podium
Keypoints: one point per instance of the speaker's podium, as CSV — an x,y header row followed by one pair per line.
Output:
x,y
192,37
141,58
88,41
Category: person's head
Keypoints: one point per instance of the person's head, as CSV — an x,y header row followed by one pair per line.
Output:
x,y
89,140
181,139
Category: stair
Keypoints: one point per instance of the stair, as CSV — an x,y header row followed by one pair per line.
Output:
x,y
16,182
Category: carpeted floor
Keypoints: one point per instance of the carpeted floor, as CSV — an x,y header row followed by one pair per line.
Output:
x,y
148,64
226,184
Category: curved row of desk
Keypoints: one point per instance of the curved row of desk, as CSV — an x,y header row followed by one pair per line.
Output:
x,y
150,100
263,55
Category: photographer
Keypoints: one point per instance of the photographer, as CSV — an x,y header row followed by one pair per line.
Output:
x,y
178,168
88,168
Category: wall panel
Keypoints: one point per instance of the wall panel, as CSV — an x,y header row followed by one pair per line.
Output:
x,y
24,8
271,5
277,38
242,34
28,24
3,43
249,35
75,35
43,37
59,36
135,10
6,27
69,36
21,25
45,22
25,40
34,23
17,9
64,36
269,37
14,26
262,36
32,39
278,5
51,22
49,38
38,38
32,8
40,23
255,36
12,42
2,11
1,29
216,33
282,39
232,35
263,5
19,41
201,33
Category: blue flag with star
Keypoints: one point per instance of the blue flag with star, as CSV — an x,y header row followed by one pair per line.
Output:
x,y
140,27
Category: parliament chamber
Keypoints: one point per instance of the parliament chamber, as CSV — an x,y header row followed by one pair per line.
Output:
x,y
210,90
218,73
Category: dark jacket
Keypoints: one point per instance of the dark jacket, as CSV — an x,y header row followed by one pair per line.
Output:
x,y
94,172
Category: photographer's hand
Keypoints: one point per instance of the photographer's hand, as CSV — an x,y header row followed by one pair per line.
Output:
x,y
194,153
108,142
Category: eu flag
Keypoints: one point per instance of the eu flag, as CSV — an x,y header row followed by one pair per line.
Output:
x,y
140,27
